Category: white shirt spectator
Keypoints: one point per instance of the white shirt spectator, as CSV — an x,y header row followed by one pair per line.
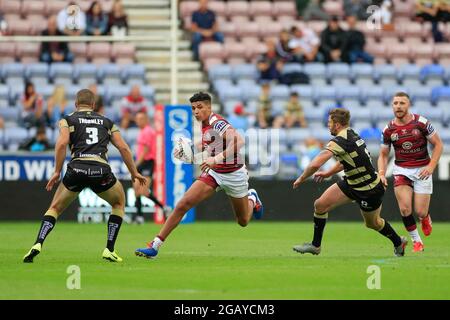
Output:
x,y
77,21
307,42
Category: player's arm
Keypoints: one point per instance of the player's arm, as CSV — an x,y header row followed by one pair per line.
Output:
x,y
60,153
320,176
234,143
315,165
125,152
438,147
382,162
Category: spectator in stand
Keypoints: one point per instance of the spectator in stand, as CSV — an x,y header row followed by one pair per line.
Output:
x,y
54,51
204,27
32,114
294,115
2,123
269,64
38,143
355,40
71,20
282,47
444,11
357,8
427,10
332,41
131,105
314,10
3,26
305,45
238,119
99,106
266,118
96,20
118,20
56,106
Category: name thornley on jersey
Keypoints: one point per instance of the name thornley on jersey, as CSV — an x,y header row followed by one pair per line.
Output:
x,y
91,121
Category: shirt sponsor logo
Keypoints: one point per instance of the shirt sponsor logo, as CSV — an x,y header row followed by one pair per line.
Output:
x,y
394,137
407,145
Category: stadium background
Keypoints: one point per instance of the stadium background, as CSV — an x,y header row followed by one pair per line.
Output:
x,y
156,55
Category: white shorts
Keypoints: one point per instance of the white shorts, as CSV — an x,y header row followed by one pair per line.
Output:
x,y
410,177
235,184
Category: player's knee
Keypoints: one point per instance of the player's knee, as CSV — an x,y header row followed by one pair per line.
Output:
x,y
243,222
421,212
184,205
372,225
320,206
405,210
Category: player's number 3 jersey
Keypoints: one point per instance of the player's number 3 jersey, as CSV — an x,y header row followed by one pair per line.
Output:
x,y
90,134
351,151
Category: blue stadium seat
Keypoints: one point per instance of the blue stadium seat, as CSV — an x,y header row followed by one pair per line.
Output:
x,y
133,72
130,135
409,71
219,71
361,70
278,107
317,73
279,92
220,84
230,105
4,96
115,93
433,74
348,93
13,73
246,83
15,92
230,93
390,91
321,93
85,74
109,74
420,93
38,73
46,90
445,135
316,114
148,92
322,134
304,91
297,135
15,135
339,73
292,67
381,115
244,71
9,114
440,94
251,93
112,114
61,73
71,91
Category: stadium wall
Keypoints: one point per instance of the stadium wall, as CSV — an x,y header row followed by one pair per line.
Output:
x,y
28,200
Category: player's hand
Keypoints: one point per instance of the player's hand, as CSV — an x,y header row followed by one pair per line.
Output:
x,y
426,172
384,181
297,183
320,176
53,180
208,163
142,180
177,153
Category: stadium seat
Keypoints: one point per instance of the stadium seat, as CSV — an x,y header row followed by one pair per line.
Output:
x,y
79,50
85,74
219,7
134,73
284,8
440,94
116,93
338,73
10,6
231,93
28,52
348,93
261,8
15,135
420,93
9,114
251,93
433,74
304,91
4,96
316,72
279,92
187,8
99,52
234,50
235,8
123,53
211,50
109,74
33,7
220,71
37,73
61,73
292,67
13,73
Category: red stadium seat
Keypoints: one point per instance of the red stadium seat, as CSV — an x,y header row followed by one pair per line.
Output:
x,y
123,53
236,61
10,6
235,50
237,8
53,7
239,19
411,29
284,8
37,7
28,52
85,4
187,8
256,50
38,23
404,8
399,53
211,49
333,8
261,8
269,29
317,26
209,62
7,52
99,52
228,29
19,27
249,29
442,51
219,7
263,19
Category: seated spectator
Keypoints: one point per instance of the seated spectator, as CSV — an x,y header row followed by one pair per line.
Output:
x,y
204,27
96,20
332,41
3,26
269,64
99,106
314,11
239,118
118,20
357,8
266,118
355,40
37,143
56,106
444,11
32,114
294,115
305,45
71,20
427,10
54,51
282,47
131,105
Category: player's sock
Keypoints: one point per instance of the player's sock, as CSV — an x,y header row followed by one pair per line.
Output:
x,y
157,242
411,227
390,233
114,223
156,201
47,225
252,198
138,205
320,219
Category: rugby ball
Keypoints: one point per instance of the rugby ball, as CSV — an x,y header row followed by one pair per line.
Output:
x,y
184,149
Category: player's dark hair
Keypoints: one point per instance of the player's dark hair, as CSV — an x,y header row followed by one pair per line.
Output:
x,y
340,115
200,96
85,97
402,94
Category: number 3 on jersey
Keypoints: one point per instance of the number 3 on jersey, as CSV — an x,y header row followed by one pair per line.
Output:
x,y
93,135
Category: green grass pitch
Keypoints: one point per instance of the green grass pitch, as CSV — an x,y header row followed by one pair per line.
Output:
x,y
221,260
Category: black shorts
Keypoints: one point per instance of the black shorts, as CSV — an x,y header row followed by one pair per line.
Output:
x,y
146,168
88,174
369,200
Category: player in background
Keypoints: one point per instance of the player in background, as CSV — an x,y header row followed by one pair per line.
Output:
x,y
409,134
87,134
222,169
145,162
361,183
